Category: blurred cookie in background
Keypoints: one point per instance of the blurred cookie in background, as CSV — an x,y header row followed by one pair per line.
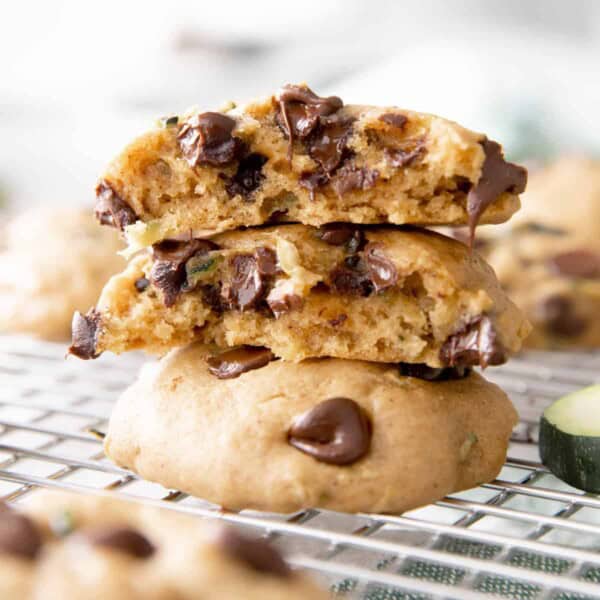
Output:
x,y
548,257
52,263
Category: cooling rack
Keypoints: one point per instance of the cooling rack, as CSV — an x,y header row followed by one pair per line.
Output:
x,y
525,535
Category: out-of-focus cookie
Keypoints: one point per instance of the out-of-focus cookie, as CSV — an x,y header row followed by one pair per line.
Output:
x,y
80,547
243,431
52,263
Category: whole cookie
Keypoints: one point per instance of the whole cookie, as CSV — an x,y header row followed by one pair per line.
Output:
x,y
370,293
244,432
548,257
298,157
109,549
53,262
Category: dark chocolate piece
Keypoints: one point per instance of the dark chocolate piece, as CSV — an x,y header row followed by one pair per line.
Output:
x,y
476,343
577,263
266,261
423,371
213,296
19,536
253,552
558,315
232,363
251,275
404,157
350,177
247,178
351,278
381,270
84,334
342,234
122,539
313,181
300,112
394,120
497,177
111,209
141,284
336,431
327,145
168,269
337,321
207,139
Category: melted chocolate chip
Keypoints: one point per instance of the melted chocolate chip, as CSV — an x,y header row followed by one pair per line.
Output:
x,y
313,181
351,278
111,209
336,431
253,552
300,112
559,316
394,120
284,304
342,234
328,144
122,539
208,139
577,263
380,269
423,371
141,284
168,269
497,177
19,536
212,295
350,177
251,274
404,157
475,344
248,176
84,334
232,363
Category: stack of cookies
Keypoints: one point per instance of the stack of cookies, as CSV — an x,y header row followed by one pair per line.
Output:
x,y
319,351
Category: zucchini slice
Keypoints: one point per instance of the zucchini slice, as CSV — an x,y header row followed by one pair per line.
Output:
x,y
570,439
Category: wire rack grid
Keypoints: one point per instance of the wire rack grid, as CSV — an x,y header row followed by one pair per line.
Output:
x,y
525,535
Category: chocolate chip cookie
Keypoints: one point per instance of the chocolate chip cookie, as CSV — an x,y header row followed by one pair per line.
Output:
x,y
244,431
383,294
53,262
298,157
548,260
72,547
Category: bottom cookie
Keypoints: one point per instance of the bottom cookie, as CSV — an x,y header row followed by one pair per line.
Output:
x,y
244,431
73,547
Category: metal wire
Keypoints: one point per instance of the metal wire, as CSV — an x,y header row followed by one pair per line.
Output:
x,y
525,535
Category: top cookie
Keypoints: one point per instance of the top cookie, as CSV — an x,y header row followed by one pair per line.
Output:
x,y
298,157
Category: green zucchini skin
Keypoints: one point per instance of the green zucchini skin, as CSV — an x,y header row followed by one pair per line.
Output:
x,y
573,458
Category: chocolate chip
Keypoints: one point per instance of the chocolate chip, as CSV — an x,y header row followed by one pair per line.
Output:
x,y
351,278
208,139
559,316
300,112
253,552
141,284
266,261
122,539
248,285
284,304
313,181
248,176
475,344
342,234
336,431
168,269
577,263
111,209
404,157
423,371
350,177
337,321
327,145
381,270
497,177
394,120
84,334
19,536
232,363
212,296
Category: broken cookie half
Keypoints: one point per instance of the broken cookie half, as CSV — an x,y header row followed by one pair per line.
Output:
x,y
384,294
299,157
